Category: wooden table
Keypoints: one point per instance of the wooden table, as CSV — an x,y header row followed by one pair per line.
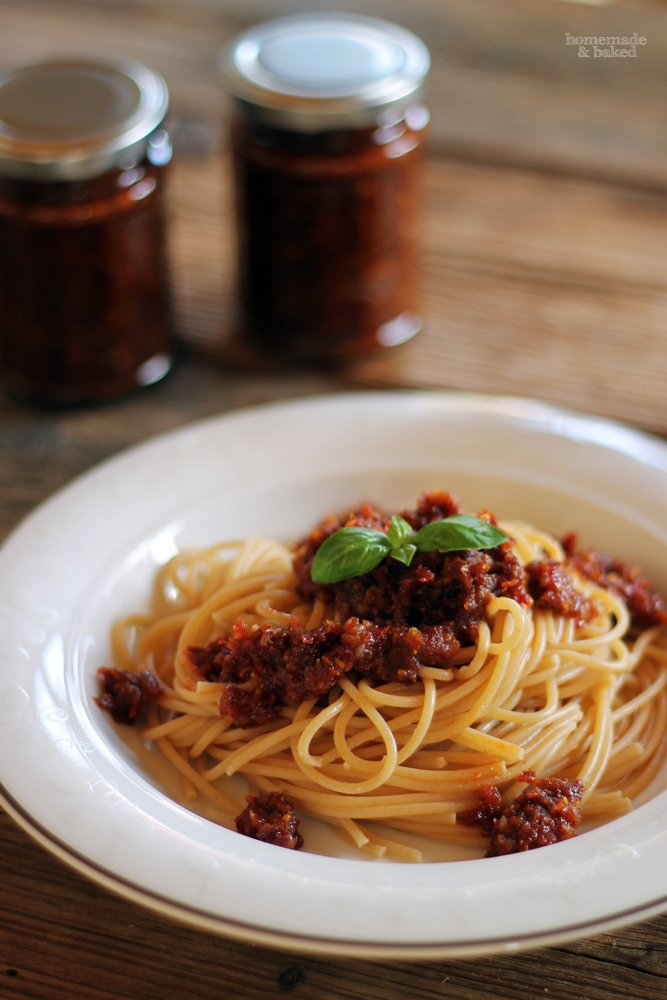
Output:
x,y
545,255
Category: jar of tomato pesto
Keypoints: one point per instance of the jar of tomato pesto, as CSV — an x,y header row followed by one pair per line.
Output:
x,y
84,309
327,140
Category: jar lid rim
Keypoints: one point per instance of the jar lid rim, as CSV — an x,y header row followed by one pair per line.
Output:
x,y
324,68
74,116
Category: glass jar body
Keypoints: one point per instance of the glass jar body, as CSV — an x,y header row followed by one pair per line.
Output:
x,y
327,237
84,305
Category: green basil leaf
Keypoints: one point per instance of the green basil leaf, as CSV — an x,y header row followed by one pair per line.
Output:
x,y
404,554
400,533
458,533
349,552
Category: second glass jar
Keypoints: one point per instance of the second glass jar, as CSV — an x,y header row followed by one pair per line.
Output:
x,y
327,146
328,237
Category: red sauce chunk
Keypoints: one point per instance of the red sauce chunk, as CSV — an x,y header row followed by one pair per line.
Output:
x,y
448,591
545,812
292,664
646,609
551,587
488,811
125,694
270,818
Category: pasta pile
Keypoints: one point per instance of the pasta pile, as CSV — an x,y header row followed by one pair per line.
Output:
x,y
536,692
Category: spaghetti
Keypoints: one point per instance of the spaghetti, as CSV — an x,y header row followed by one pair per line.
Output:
x,y
579,693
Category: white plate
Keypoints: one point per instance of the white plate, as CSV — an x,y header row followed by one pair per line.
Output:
x,y
89,554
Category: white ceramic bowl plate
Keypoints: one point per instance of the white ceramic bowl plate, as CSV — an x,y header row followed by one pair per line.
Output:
x,y
104,804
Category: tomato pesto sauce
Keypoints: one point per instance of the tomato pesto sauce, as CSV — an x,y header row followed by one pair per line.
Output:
x,y
125,694
545,812
399,593
390,621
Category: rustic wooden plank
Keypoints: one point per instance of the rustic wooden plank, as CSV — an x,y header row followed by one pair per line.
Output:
x,y
504,85
642,947
535,285
541,286
42,449
562,230
598,351
202,250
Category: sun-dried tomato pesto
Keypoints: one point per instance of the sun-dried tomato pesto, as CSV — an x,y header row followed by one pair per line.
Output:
x,y
449,591
270,818
125,694
551,587
646,609
488,811
85,309
327,147
395,619
327,238
292,664
545,812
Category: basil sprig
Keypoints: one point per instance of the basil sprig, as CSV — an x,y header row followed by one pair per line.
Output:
x,y
352,552
401,538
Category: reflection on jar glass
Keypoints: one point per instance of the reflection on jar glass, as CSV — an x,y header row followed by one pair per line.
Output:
x,y
84,307
327,140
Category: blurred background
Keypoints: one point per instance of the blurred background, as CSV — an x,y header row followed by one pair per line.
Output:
x,y
545,203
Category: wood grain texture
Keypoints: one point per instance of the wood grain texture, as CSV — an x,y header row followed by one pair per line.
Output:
x,y
42,449
549,287
534,285
202,251
504,85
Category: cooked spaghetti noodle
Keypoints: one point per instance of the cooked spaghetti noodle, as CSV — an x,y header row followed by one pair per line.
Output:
x,y
537,691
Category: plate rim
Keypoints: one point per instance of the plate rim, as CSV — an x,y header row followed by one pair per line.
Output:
x,y
253,934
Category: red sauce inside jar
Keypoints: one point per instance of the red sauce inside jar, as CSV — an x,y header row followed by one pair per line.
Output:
x,y
84,310
327,147
327,238
83,284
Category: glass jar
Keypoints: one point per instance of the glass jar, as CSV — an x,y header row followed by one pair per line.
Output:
x,y
327,141
84,308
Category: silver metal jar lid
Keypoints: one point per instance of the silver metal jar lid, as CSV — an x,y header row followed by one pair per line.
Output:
x,y
72,119
316,72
